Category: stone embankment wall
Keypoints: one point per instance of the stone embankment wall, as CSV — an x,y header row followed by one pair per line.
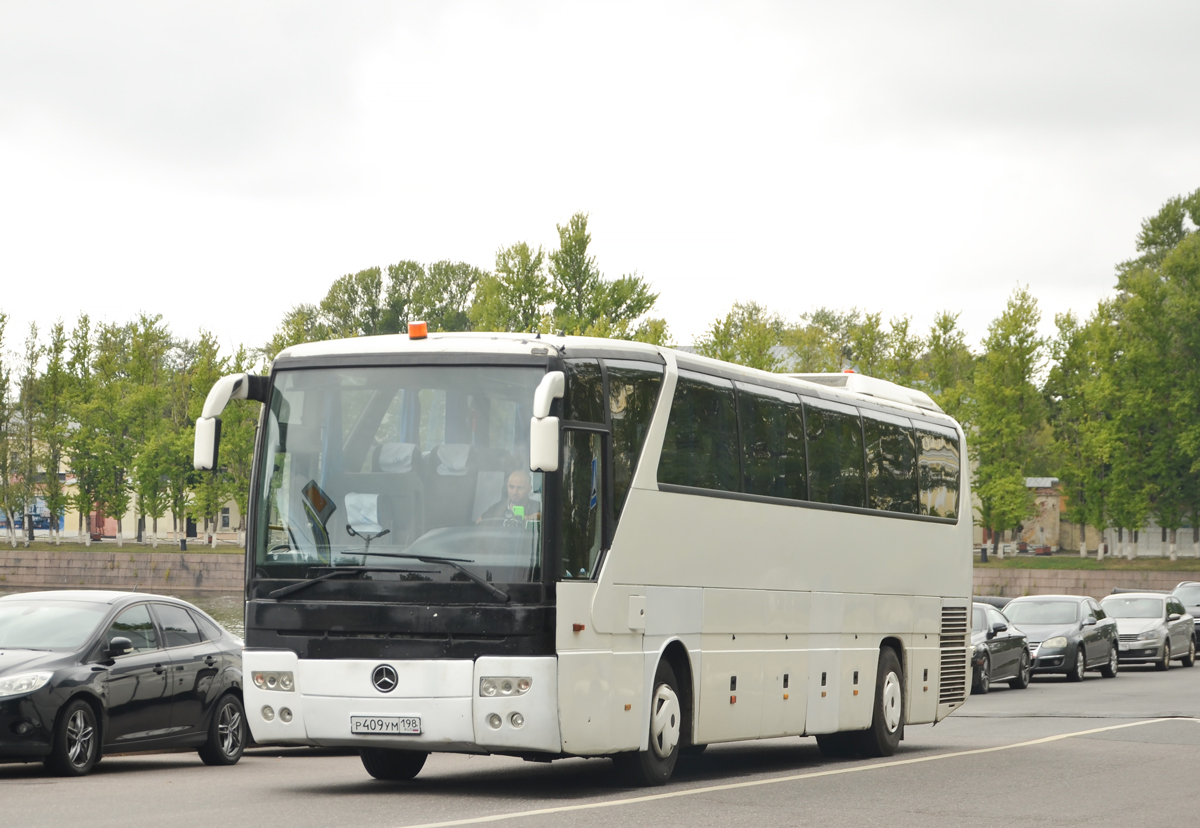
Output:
x,y
1097,583
168,572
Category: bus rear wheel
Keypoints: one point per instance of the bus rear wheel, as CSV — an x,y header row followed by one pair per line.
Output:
x,y
655,765
887,721
393,765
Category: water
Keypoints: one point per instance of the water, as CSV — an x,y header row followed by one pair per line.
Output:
x,y
226,607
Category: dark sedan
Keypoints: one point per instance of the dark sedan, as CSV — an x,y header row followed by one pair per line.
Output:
x,y
1188,594
1067,634
1000,651
88,673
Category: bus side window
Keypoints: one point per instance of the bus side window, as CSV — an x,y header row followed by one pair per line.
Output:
x,y
582,503
632,395
584,394
835,453
772,432
938,470
891,463
700,447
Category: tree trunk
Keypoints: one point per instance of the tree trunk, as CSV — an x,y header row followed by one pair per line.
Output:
x,y
1083,540
120,539
87,537
1173,556
154,543
1133,546
79,530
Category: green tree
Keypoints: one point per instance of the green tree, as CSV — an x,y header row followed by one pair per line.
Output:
x,y
1007,413
83,437
30,463
150,342
355,305
948,366
821,343
443,298
53,424
8,442
300,324
108,414
515,296
747,335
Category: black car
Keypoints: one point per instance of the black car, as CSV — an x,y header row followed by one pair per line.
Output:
x,y
1000,652
88,673
1188,593
1068,634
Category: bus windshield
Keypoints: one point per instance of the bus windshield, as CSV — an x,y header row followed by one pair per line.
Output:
x,y
400,474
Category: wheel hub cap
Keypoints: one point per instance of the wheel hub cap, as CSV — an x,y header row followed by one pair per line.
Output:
x,y
893,702
79,739
664,721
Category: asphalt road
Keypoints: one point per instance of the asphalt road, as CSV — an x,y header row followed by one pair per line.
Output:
x,y
1117,752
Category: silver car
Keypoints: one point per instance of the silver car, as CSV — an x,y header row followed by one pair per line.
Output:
x,y
1152,628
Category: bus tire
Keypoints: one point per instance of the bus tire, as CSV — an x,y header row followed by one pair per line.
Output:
x,y
393,765
887,718
654,766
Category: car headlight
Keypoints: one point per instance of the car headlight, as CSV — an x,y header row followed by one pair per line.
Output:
x,y
1148,635
1059,642
22,684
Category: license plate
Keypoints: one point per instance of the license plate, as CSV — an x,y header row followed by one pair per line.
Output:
x,y
385,725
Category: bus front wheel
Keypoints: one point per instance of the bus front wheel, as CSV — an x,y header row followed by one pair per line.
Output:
x,y
655,765
887,721
393,765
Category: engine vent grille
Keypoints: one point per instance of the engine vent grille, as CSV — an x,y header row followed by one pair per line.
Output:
x,y
953,688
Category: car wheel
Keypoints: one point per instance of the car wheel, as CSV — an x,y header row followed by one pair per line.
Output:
x,y
226,733
1164,663
1190,659
1023,673
76,745
1076,672
1109,670
655,765
983,678
393,765
887,720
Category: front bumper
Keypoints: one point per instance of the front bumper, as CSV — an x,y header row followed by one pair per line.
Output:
x,y
1139,652
33,744
444,693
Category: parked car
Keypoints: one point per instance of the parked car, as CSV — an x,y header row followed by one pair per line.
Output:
x,y
1154,628
1000,652
1068,634
1188,593
85,673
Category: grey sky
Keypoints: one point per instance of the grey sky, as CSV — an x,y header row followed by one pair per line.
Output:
x,y
220,162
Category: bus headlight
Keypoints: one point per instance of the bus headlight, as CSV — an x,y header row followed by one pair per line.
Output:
x,y
504,686
283,681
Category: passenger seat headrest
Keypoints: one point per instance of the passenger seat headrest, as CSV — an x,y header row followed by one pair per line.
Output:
x,y
362,513
396,458
452,459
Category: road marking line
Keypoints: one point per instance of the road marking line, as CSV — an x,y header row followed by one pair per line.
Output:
x,y
774,780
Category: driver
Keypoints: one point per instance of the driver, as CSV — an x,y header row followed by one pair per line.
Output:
x,y
517,497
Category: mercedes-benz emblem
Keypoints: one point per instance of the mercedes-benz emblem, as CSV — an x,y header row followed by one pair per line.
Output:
x,y
384,678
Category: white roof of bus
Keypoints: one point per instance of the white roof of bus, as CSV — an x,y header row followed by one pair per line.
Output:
x,y
516,344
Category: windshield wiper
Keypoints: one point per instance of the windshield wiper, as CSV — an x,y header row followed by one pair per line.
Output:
x,y
454,562
333,573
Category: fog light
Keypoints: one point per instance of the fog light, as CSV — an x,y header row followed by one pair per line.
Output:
x,y
260,680
272,680
267,712
285,681
487,687
516,720
21,728
285,714
523,684
494,721
506,687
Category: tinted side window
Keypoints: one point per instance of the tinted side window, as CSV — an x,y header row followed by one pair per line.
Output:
x,y
584,392
938,470
891,463
135,624
772,430
700,448
582,503
210,630
178,627
835,453
632,394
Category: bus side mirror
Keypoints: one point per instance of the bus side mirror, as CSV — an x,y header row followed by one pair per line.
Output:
x,y
208,443
549,389
543,444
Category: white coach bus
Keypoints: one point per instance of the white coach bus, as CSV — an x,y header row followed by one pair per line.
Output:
x,y
562,546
